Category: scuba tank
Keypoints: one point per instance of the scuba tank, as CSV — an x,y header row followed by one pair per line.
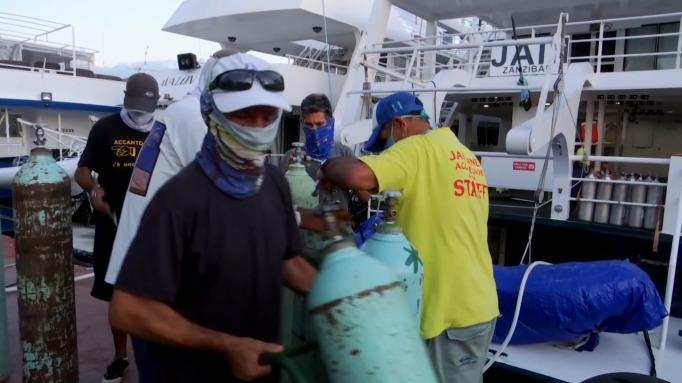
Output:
x,y
654,195
293,312
361,318
589,191
389,245
604,190
303,194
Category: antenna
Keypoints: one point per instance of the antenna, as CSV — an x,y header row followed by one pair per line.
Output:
x,y
145,55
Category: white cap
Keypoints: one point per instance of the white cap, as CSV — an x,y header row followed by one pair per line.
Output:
x,y
228,102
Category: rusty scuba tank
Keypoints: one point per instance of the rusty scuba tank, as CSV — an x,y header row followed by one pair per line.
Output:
x,y
363,323
389,245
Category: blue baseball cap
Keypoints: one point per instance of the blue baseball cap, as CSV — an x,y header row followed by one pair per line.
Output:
x,y
395,105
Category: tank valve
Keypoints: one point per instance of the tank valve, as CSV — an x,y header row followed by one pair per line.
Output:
x,y
391,197
40,135
298,157
332,231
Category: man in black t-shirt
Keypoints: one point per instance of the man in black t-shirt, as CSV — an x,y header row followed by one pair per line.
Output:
x,y
203,277
111,151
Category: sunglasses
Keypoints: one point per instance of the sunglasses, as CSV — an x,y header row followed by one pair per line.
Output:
x,y
239,80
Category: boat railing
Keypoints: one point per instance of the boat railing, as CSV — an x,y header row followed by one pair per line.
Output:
x,y
72,144
666,57
317,65
34,32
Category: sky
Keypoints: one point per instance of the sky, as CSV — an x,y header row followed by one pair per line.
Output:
x,y
121,30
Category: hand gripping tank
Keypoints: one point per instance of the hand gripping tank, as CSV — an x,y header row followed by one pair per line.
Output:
x,y
389,245
363,324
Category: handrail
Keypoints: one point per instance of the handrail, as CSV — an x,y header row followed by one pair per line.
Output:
x,y
23,26
546,26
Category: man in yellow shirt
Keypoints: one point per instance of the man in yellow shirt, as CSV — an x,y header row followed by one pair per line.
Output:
x,y
443,212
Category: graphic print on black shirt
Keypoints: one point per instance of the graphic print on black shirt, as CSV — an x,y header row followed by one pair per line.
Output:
x,y
111,151
215,260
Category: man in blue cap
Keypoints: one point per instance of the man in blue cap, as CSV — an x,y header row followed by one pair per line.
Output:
x,y
443,212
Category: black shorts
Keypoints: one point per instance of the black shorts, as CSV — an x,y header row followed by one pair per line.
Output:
x,y
105,233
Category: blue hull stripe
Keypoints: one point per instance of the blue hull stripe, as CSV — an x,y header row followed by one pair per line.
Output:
x,y
38,104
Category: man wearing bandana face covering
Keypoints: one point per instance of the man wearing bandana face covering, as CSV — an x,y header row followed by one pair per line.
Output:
x,y
112,148
443,212
318,126
203,277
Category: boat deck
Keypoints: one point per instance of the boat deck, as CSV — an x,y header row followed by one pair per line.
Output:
x,y
95,346
615,353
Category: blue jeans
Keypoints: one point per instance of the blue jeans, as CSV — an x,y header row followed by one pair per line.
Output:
x,y
146,359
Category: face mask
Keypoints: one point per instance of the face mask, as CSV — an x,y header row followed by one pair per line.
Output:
x,y
319,142
140,117
256,139
390,141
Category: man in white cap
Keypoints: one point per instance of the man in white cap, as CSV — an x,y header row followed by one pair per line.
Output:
x,y
173,143
203,277
111,152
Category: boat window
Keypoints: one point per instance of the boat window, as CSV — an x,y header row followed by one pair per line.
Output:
x,y
651,45
667,44
14,126
579,49
488,133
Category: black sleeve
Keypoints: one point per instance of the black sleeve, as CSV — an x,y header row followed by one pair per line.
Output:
x,y
93,146
294,247
152,267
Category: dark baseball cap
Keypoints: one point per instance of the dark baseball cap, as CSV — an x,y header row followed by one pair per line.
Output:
x,y
142,93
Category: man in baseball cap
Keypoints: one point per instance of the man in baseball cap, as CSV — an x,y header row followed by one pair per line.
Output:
x,y
444,212
111,151
203,277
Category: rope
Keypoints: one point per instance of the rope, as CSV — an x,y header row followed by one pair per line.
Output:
x,y
326,41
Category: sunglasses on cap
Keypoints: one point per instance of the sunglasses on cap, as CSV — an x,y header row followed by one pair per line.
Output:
x,y
239,80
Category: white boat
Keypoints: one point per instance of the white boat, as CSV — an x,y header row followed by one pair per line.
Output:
x,y
52,84
622,74
466,75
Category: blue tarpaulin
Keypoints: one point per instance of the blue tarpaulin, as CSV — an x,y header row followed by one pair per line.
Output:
x,y
570,300
566,301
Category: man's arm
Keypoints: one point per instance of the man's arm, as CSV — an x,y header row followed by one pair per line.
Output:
x,y
87,163
362,195
299,275
155,321
390,170
350,174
